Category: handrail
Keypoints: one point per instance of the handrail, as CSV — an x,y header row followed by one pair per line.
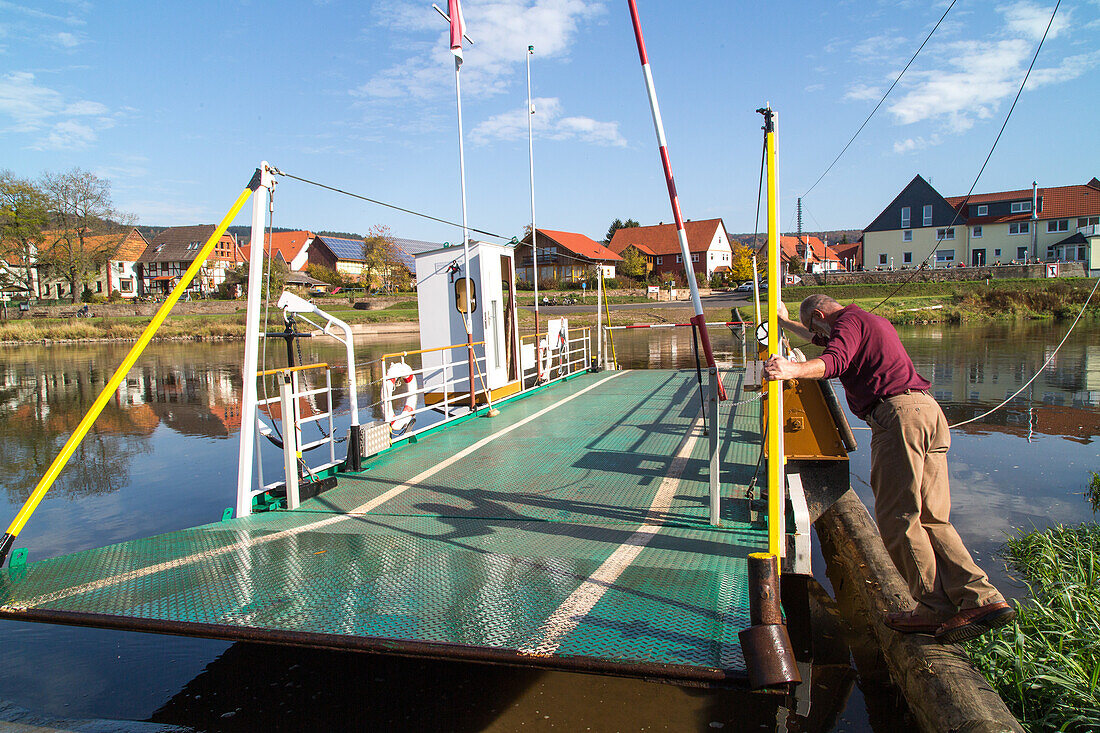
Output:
x,y
299,368
425,351
112,385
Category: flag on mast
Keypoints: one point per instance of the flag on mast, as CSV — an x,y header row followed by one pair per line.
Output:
x,y
458,28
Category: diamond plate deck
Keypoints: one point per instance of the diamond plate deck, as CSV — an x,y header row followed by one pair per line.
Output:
x,y
562,533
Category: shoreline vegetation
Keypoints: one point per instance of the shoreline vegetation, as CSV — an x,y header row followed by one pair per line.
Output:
x,y
1046,664
916,303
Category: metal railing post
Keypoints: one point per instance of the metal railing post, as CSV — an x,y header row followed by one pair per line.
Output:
x,y
290,441
713,409
331,432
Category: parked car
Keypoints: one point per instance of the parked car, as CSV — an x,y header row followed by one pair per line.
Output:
x,y
745,287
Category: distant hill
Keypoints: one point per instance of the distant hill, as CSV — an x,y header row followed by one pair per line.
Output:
x,y
831,237
243,232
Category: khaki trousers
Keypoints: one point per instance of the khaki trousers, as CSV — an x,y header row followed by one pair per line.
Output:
x,y
909,442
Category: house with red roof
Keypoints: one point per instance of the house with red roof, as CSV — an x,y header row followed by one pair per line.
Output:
x,y
563,256
708,243
814,255
1036,224
290,247
119,253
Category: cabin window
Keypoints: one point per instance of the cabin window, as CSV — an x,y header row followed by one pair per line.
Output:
x,y
882,259
945,233
904,217
907,257
983,210
907,235
460,296
1020,207
1019,227
928,215
978,232
1058,225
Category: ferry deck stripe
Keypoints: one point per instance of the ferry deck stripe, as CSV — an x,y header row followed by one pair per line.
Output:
x,y
570,613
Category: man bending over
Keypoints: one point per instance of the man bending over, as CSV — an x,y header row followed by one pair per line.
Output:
x,y
909,440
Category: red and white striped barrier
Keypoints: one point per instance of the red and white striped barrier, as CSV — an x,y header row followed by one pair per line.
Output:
x,y
662,145
677,325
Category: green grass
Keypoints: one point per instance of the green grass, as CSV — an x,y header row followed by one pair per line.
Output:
x,y
1046,664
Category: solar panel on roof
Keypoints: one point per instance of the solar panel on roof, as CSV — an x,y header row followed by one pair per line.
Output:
x,y
344,249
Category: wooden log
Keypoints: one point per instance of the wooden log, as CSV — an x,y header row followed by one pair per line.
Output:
x,y
944,690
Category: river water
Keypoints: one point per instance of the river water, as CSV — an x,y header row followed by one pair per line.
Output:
x,y
163,457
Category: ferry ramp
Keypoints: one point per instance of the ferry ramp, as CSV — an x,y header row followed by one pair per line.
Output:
x,y
570,531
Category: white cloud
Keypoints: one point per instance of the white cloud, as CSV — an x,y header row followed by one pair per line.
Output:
x,y
969,80
1031,20
814,88
40,15
863,93
501,30
911,144
35,109
67,135
68,40
547,123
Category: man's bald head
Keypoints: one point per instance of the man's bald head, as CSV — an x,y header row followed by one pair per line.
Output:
x,y
817,302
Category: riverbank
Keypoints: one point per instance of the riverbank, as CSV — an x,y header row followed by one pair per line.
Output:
x,y
1046,664
917,303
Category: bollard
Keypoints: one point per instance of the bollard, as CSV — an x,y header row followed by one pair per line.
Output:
x,y
766,645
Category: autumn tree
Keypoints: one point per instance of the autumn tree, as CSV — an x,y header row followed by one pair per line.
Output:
x,y
633,264
383,261
88,230
741,266
24,217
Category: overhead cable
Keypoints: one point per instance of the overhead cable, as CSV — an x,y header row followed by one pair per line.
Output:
x,y
388,206
1044,366
961,207
884,96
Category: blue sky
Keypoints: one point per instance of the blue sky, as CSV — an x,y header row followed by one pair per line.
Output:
x,y
176,103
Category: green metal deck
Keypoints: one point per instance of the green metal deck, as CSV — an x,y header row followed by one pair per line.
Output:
x,y
570,531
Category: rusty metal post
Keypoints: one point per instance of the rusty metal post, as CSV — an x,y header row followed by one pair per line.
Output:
x,y
769,656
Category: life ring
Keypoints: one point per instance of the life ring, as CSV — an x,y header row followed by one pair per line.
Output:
x,y
399,373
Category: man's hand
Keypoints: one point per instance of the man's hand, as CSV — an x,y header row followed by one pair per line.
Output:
x,y
782,311
778,368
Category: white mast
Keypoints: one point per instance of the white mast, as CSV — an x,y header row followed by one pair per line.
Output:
x,y
531,151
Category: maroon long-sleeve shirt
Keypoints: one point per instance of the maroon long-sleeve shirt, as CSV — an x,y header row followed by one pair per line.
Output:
x,y
865,352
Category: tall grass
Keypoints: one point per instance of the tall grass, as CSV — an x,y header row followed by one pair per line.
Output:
x,y
1046,665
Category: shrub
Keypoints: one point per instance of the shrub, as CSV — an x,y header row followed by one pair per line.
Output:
x,y
114,297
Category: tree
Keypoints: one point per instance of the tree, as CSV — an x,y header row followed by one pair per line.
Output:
x,y
273,279
24,217
88,228
382,260
633,264
794,265
617,225
741,265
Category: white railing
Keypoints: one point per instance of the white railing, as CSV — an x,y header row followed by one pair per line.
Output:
x,y
574,356
293,402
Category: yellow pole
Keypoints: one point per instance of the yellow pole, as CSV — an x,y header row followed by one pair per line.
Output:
x,y
89,419
775,388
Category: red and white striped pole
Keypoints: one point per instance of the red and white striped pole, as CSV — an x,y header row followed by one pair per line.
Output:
x,y
699,320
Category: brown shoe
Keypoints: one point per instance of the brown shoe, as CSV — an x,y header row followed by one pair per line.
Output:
x,y
910,622
973,622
